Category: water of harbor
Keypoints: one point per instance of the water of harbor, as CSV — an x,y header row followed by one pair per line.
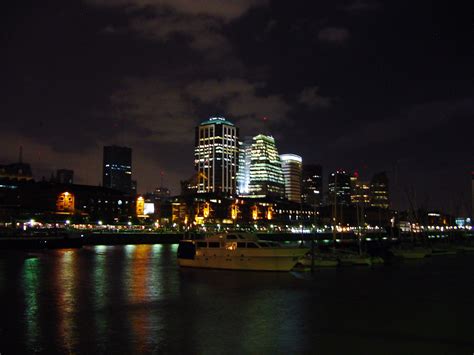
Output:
x,y
135,299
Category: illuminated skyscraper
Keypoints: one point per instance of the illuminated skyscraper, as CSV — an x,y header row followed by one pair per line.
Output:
x,y
117,168
216,156
266,177
360,191
243,173
379,191
312,184
339,188
291,166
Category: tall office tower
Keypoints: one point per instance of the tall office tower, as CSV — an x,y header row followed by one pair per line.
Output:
x,y
65,176
291,165
312,184
266,177
216,156
162,193
243,173
379,191
339,188
117,168
360,191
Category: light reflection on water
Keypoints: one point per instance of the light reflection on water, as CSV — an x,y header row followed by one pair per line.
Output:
x,y
66,284
30,280
134,299
100,292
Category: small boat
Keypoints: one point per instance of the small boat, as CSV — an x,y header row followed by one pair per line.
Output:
x,y
355,259
465,248
320,260
377,260
238,251
443,250
410,253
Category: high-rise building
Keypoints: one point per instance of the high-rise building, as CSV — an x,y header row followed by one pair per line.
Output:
x,y
312,184
379,196
65,176
117,168
360,191
216,156
339,188
291,165
162,193
266,177
243,173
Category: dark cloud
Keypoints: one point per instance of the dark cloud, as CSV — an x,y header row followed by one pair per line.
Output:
x,y
226,10
311,98
333,34
416,121
361,5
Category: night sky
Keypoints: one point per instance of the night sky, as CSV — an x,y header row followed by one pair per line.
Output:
x,y
360,85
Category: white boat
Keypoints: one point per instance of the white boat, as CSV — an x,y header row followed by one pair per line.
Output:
x,y
238,251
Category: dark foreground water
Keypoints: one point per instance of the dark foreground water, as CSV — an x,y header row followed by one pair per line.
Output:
x,y
134,299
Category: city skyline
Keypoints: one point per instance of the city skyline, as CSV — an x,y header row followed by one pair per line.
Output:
x,y
340,84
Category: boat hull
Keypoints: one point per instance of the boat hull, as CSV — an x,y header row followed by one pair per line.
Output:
x,y
245,262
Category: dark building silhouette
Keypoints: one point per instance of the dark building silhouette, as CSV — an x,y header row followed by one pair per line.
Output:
x,y
379,196
339,188
65,176
472,197
16,172
312,184
117,168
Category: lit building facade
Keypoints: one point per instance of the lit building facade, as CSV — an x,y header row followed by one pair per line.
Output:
x,y
291,166
216,156
339,188
266,177
360,191
117,168
379,196
312,184
245,160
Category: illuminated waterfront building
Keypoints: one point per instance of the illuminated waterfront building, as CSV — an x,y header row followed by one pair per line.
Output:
x,y
291,166
379,196
266,177
312,184
216,156
339,188
117,168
